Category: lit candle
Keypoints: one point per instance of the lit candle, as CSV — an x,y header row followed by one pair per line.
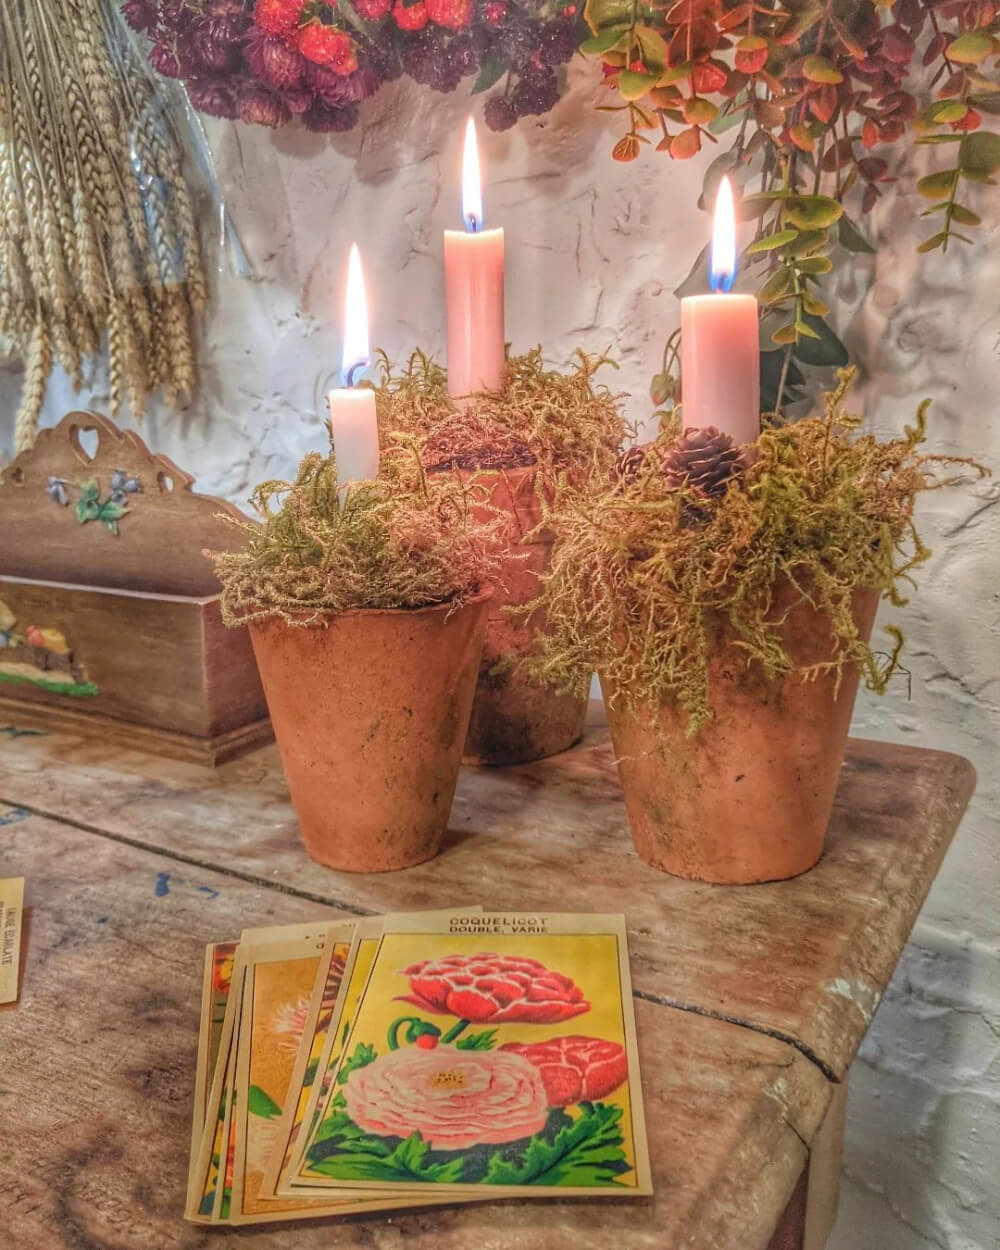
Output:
x,y
473,271
352,408
720,342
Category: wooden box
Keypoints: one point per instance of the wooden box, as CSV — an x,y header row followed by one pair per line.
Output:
x,y
109,610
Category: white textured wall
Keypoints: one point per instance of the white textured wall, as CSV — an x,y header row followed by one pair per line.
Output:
x,y
594,251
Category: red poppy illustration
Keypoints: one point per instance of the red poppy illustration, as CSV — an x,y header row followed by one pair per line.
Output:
x,y
574,1069
493,989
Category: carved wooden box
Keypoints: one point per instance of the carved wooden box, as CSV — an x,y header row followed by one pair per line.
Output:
x,y
109,611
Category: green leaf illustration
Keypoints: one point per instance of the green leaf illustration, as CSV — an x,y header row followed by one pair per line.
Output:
x,y
87,510
363,1054
353,1155
262,1104
584,1151
477,1041
89,490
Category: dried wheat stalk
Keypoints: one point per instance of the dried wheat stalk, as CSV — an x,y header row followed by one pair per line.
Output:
x,y
97,231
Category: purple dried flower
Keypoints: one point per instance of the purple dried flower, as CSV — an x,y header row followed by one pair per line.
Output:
x,y
164,60
263,108
140,14
212,98
321,118
273,61
56,491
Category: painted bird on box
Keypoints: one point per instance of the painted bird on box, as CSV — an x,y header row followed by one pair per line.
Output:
x,y
52,640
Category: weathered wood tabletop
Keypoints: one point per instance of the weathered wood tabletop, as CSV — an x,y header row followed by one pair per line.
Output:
x,y
751,1002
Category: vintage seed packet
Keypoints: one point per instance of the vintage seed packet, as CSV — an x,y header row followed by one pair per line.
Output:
x,y
488,1054
207,1166
216,977
324,1056
11,910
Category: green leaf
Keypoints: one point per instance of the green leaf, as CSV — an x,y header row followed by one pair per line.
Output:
x,y
802,329
260,1103
971,48
943,111
811,212
111,511
602,13
935,241
585,1151
939,185
89,490
492,71
357,1156
772,362
363,1055
310,1073
778,285
112,527
813,304
653,48
772,241
851,237
825,349
964,216
633,85
986,103
676,73
940,139
814,264
87,510
606,41
979,155
477,1041
808,242
819,69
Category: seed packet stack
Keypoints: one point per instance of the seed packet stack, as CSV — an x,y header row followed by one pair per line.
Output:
x,y
415,1060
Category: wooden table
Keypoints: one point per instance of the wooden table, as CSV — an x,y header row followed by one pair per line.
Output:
x,y
751,1002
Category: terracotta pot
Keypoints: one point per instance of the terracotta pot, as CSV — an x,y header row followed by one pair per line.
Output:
x,y
514,720
749,797
370,713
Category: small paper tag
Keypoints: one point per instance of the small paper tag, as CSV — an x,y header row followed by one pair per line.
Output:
x,y
11,907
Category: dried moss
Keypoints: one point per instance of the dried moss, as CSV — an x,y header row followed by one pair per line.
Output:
x,y
541,416
406,540
644,576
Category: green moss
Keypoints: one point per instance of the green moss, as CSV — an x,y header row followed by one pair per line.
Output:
x,y
541,416
645,578
407,540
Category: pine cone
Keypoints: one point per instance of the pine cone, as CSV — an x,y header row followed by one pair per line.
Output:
x,y
630,462
704,461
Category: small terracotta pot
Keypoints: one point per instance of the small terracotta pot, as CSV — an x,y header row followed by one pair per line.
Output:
x,y
514,720
749,797
370,713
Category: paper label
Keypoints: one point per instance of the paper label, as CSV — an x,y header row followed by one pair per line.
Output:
x,y
11,907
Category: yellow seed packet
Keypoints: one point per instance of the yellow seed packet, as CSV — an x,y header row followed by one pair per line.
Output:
x,y
11,911
488,1054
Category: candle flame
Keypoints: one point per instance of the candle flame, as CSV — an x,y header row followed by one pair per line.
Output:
x,y
722,268
472,187
355,355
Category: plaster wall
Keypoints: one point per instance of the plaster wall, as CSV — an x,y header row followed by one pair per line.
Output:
x,y
595,250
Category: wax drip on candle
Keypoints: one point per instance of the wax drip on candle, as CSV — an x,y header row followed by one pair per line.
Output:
x,y
355,357
472,193
722,266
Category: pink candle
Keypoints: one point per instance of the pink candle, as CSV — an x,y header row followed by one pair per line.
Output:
x,y
720,342
352,408
473,271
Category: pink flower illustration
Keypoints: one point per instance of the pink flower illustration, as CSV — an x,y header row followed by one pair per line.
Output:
x,y
452,1098
493,989
574,1068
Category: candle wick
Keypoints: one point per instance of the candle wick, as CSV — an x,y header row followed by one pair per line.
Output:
x,y
473,223
351,374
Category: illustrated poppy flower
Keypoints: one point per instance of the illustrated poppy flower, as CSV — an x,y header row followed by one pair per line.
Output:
x,y
493,989
575,1068
453,1098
